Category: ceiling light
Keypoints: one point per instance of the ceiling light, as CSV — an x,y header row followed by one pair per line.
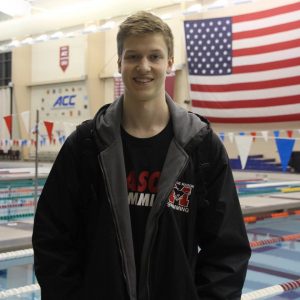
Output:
x,y
196,8
166,17
3,48
241,1
15,8
56,35
90,29
27,41
14,43
108,25
218,4
72,34
42,38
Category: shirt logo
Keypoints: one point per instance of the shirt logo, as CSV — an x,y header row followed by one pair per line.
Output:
x,y
142,188
179,198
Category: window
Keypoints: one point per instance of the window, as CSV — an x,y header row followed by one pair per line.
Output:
x,y
5,68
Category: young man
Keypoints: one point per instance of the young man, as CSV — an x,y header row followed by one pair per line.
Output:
x,y
140,203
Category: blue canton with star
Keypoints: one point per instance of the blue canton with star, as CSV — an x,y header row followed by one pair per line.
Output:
x,y
209,46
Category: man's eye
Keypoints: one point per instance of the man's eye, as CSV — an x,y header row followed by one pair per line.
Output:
x,y
132,57
155,57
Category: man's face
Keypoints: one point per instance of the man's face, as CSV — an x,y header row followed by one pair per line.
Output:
x,y
144,64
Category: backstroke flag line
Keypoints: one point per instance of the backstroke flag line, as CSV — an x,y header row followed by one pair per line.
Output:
x,y
246,68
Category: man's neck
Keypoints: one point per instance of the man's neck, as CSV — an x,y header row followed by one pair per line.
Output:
x,y
146,118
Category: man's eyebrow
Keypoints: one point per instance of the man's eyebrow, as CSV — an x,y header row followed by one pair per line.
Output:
x,y
151,50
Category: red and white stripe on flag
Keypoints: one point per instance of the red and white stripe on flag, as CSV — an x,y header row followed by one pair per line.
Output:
x,y
118,86
246,68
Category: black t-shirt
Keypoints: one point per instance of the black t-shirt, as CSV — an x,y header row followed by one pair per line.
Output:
x,y
144,159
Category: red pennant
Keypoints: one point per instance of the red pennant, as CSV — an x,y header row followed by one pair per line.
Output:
x,y
289,133
8,121
254,135
49,127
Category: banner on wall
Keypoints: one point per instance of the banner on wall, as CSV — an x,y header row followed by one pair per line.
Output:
x,y
245,68
58,105
64,57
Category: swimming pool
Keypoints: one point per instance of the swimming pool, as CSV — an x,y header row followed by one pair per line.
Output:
x,y
271,264
275,263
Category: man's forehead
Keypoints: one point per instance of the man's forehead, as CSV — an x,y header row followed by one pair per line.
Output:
x,y
153,42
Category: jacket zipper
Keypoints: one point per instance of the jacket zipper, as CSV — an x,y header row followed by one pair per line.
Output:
x,y
155,231
115,224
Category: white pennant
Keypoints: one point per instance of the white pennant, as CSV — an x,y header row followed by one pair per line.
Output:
x,y
231,136
26,120
265,135
243,143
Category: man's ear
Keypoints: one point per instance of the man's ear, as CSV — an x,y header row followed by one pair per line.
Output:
x,y
170,64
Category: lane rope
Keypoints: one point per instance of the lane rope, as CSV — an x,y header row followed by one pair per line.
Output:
x,y
254,219
272,290
18,291
284,238
16,254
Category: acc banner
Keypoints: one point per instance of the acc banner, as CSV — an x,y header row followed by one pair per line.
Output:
x,y
60,104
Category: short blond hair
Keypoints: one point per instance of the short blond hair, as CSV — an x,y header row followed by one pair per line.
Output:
x,y
142,23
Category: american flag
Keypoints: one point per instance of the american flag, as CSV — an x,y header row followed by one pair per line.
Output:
x,y
246,68
118,86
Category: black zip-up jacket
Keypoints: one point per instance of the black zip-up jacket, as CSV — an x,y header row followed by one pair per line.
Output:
x,y
82,237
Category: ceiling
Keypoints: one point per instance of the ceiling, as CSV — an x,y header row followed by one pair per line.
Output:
x,y
53,15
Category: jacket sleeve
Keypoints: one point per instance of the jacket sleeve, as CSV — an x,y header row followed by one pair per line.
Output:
x,y
223,259
56,230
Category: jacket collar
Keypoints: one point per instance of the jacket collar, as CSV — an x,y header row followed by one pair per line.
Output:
x,y
186,125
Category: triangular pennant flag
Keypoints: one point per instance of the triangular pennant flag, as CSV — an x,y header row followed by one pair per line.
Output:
x,y
49,128
26,120
289,133
265,135
276,133
285,148
254,135
231,136
222,136
8,121
243,143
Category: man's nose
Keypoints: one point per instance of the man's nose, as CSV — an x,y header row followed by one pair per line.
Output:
x,y
144,65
